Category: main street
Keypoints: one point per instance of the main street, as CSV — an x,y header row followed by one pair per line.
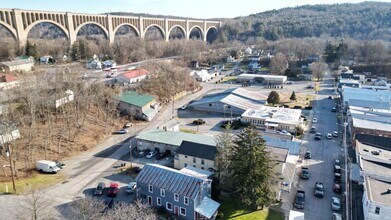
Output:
x,y
323,154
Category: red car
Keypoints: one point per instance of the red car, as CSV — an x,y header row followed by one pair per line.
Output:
x,y
113,189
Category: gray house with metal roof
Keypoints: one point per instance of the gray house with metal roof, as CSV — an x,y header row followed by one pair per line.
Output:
x,y
197,155
179,193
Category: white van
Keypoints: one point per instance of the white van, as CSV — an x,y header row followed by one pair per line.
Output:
x,y
47,166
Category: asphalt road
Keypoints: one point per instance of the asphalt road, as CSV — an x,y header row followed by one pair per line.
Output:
x,y
323,154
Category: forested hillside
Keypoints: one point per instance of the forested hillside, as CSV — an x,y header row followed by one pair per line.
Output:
x,y
363,21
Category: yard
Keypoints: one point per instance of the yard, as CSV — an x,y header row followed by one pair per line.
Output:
x,y
231,210
302,100
229,79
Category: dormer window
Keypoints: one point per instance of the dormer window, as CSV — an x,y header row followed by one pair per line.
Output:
x,y
186,200
150,188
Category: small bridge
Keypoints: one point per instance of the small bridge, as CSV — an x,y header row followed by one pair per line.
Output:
x,y
20,22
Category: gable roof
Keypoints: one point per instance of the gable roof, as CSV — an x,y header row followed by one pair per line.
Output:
x,y
198,150
136,73
134,98
376,141
170,179
7,78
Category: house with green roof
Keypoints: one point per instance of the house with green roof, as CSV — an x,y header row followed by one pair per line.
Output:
x,y
164,140
140,106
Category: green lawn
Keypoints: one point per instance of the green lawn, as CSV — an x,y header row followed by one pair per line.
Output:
x,y
266,69
229,78
231,210
188,131
36,182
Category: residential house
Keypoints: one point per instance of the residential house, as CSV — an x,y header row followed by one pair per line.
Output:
x,y
230,102
164,140
194,64
179,193
201,76
230,59
248,51
109,64
262,78
94,64
132,76
46,60
8,81
18,64
54,98
139,106
8,132
198,155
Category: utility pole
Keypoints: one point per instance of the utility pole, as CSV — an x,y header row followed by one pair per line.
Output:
x,y
9,155
173,107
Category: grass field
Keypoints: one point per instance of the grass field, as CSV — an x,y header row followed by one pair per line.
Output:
x,y
302,100
231,210
229,78
188,131
38,181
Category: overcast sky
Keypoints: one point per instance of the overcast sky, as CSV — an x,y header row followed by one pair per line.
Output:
x,y
184,8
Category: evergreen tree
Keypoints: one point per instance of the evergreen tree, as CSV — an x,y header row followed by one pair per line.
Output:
x,y
31,50
250,169
273,98
293,96
75,51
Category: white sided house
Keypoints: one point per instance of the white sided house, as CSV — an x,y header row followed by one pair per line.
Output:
x,y
8,81
132,76
68,97
273,119
261,78
201,76
19,64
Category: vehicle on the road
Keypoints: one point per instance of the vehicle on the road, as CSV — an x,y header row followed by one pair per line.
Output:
x,y
162,155
289,82
99,189
337,169
314,120
330,97
329,136
143,153
334,109
319,190
109,204
113,189
318,136
199,121
151,154
337,162
335,134
337,177
60,164
337,216
284,132
131,187
300,199
312,130
137,169
128,125
47,166
337,188
310,87
307,155
305,173
122,131
184,107
335,204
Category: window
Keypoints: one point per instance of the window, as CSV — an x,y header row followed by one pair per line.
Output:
x,y
185,156
158,201
176,197
185,164
377,210
183,211
202,161
194,160
202,168
210,104
168,206
150,188
162,192
186,200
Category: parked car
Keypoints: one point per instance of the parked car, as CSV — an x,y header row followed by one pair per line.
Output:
x,y
113,189
162,155
335,204
131,187
143,153
329,136
337,169
313,130
99,189
305,173
318,136
151,154
307,155
314,120
109,204
337,177
128,125
337,216
199,121
310,87
137,169
289,82
47,166
337,188
337,162
60,164
234,124
284,132
330,97
300,199
335,134
122,131
184,107
334,109
319,190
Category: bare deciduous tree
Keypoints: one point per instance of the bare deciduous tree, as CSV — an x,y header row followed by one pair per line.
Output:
x,y
278,64
318,70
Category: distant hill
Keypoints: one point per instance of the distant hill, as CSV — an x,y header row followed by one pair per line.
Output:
x,y
366,20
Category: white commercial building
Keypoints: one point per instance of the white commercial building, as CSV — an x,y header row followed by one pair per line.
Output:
x,y
274,118
376,199
265,79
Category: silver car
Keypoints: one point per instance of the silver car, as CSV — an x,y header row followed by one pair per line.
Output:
x,y
335,204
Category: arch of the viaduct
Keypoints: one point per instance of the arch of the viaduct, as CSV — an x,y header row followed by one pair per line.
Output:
x,y
19,23
178,26
199,29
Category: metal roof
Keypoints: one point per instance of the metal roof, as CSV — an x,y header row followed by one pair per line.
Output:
x,y
275,115
374,119
175,138
377,191
171,180
198,150
207,207
134,98
292,146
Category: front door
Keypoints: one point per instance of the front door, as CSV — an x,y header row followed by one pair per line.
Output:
x,y
176,210
149,200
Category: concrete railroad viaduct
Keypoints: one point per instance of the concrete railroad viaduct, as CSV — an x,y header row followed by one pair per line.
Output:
x,y
20,22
